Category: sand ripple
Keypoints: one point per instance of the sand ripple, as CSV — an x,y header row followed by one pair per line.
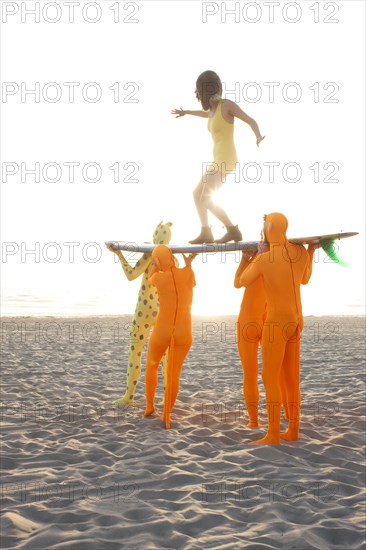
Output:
x,y
80,473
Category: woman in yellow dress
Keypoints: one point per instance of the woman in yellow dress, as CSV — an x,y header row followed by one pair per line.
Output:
x,y
220,114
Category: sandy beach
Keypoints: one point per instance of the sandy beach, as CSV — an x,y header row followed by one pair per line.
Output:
x,y
81,473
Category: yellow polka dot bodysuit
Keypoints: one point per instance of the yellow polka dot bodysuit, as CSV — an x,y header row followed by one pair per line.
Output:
x,y
147,309
222,132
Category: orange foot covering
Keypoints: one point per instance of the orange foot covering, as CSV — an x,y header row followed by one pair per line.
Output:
x,y
283,268
173,327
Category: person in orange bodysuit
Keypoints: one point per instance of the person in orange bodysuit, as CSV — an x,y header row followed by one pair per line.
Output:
x,y
284,268
249,332
173,326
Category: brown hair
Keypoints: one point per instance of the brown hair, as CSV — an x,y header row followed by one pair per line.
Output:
x,y
208,85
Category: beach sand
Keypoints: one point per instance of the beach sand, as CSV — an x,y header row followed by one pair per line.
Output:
x,y
81,473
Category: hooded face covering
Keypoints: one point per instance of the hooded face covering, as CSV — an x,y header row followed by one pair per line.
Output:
x,y
163,257
275,227
162,233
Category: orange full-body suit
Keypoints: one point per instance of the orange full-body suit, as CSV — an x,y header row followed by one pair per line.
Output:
x,y
249,333
284,268
173,327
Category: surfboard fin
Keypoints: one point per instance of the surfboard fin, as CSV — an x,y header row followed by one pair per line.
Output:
x,y
330,248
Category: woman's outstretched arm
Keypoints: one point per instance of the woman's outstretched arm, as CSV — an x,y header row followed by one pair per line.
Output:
x,y
235,111
182,112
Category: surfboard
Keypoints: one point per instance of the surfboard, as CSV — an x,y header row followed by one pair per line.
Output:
x,y
130,246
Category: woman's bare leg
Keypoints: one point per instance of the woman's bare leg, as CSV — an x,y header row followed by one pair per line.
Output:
x,y
203,199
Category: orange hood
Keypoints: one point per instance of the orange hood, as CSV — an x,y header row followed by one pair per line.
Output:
x,y
163,257
275,227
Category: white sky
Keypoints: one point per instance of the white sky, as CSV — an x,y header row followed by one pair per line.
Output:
x,y
162,54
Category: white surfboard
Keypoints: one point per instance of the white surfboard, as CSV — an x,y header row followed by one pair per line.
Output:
x,y
131,246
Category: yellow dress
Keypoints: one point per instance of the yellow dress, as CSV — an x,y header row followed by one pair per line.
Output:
x,y
222,133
